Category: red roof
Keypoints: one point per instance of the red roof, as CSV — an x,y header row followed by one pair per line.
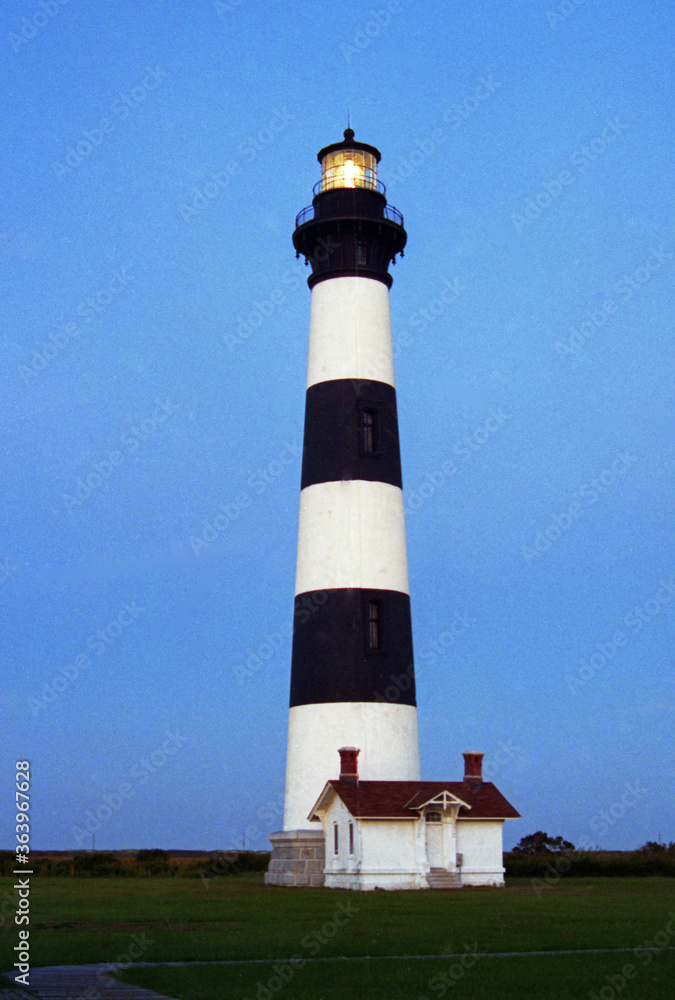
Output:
x,y
401,799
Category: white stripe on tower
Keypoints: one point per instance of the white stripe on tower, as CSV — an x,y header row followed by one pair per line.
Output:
x,y
351,534
386,732
350,331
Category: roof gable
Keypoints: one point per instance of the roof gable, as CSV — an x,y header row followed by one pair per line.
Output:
x,y
444,799
323,802
404,799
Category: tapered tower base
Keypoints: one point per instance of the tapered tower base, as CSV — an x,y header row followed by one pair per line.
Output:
x,y
298,859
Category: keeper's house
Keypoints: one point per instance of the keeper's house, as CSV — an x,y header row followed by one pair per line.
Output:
x,y
411,834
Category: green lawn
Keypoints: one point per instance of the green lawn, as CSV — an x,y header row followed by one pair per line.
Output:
x,y
556,978
77,920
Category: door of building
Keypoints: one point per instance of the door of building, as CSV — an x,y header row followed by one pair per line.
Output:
x,y
434,834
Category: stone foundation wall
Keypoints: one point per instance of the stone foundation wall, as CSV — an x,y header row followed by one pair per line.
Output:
x,y
368,881
298,858
495,878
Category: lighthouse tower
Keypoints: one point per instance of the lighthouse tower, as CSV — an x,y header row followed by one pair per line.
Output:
x,y
352,674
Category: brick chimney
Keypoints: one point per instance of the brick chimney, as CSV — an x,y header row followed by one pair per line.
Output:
x,y
473,767
349,768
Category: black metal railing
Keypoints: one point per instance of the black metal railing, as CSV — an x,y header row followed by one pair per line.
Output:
x,y
393,214
390,213
335,183
304,216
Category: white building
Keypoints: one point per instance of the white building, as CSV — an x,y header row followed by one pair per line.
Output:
x,y
406,834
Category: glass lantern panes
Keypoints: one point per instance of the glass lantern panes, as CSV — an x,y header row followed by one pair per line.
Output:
x,y
348,168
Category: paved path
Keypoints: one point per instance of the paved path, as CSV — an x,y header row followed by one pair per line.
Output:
x,y
61,982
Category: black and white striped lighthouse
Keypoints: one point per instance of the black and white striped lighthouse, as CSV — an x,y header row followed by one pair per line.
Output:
x,y
352,675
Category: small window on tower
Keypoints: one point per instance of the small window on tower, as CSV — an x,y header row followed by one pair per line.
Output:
x,y
336,839
374,625
351,838
368,432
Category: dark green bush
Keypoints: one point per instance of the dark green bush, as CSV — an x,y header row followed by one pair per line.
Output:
x,y
152,862
64,867
97,864
250,861
7,859
228,863
580,863
144,863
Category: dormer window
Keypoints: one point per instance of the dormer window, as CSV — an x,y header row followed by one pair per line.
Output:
x,y
433,817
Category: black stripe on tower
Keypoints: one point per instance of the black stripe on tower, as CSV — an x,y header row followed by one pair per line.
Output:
x,y
351,432
352,645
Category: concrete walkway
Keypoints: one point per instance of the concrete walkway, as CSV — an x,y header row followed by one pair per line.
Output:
x,y
61,982
71,982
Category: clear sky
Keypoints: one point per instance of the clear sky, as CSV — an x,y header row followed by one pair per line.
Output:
x,y
155,330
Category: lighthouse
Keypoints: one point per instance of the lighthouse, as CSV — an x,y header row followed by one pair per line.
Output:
x,y
352,672
357,816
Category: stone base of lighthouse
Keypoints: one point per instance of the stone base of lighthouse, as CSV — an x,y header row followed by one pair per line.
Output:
x,y
298,858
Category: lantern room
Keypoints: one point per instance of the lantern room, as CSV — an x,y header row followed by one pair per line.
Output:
x,y
349,229
348,164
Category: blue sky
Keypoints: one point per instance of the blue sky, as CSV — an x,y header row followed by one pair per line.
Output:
x,y
155,331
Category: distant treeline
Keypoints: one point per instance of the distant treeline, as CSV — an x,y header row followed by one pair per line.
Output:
x,y
141,864
552,866
146,863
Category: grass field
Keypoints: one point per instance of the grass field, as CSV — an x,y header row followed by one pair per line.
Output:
x,y
82,920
